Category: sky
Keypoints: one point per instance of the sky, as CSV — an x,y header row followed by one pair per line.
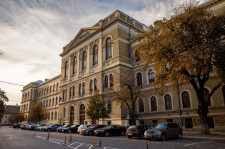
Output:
x,y
34,32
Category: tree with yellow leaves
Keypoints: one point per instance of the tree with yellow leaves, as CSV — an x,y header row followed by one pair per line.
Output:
x,y
189,48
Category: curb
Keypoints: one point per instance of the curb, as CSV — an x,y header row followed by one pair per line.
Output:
x,y
204,138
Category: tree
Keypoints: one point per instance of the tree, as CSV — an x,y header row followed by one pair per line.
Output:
x,y
38,113
3,96
2,109
96,107
17,117
127,94
189,48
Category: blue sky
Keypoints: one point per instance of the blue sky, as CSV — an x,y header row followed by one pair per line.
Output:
x,y
33,33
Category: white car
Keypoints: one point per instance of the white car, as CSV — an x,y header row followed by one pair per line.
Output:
x,y
82,127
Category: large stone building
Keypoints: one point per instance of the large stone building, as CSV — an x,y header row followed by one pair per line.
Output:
x,y
10,111
92,61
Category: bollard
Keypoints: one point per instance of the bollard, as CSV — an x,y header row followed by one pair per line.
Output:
x,y
70,138
146,145
100,142
48,136
94,145
34,133
65,141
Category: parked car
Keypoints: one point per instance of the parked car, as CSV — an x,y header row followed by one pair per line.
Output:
x,y
73,128
110,130
90,130
52,127
27,125
136,131
22,126
32,127
39,126
164,131
17,125
59,129
82,127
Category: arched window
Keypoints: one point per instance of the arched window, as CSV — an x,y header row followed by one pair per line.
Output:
x,y
54,88
223,92
111,80
82,114
95,84
206,95
71,115
84,60
83,88
186,99
140,105
74,64
52,116
66,69
95,55
108,48
49,102
64,112
91,85
137,56
53,100
56,100
151,76
109,105
139,79
55,115
106,81
153,103
79,90
168,102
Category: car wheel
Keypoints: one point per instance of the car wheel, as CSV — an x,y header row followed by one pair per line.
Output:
x,y
163,137
90,133
69,131
107,134
179,136
48,130
122,133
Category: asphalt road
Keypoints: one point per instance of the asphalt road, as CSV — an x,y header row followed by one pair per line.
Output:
x,y
11,138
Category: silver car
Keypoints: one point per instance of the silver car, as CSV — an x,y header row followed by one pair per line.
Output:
x,y
164,131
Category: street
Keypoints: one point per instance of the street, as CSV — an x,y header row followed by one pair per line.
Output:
x,y
11,138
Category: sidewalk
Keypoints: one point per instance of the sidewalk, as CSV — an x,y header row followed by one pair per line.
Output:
x,y
220,136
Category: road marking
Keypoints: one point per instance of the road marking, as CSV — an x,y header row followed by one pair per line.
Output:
x,y
79,146
71,144
196,143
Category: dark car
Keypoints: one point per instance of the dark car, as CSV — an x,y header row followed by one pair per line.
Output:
x,y
136,131
59,129
16,125
90,130
73,128
164,131
110,130
52,127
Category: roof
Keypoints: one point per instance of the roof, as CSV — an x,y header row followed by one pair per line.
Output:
x,y
11,109
38,82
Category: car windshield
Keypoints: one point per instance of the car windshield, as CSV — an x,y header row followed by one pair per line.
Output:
x,y
132,127
107,127
161,126
92,126
73,125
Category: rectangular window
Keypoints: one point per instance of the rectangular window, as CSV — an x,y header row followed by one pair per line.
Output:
x,y
188,123
211,122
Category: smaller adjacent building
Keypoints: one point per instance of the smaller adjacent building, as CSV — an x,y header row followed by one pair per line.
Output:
x,y
9,111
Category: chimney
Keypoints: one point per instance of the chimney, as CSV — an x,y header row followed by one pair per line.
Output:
x,y
46,80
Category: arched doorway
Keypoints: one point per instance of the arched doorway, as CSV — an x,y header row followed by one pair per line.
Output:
x,y
82,113
71,115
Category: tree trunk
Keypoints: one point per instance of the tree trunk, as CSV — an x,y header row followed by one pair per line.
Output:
x,y
204,123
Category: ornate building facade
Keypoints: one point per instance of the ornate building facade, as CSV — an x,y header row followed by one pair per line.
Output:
x,y
92,60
